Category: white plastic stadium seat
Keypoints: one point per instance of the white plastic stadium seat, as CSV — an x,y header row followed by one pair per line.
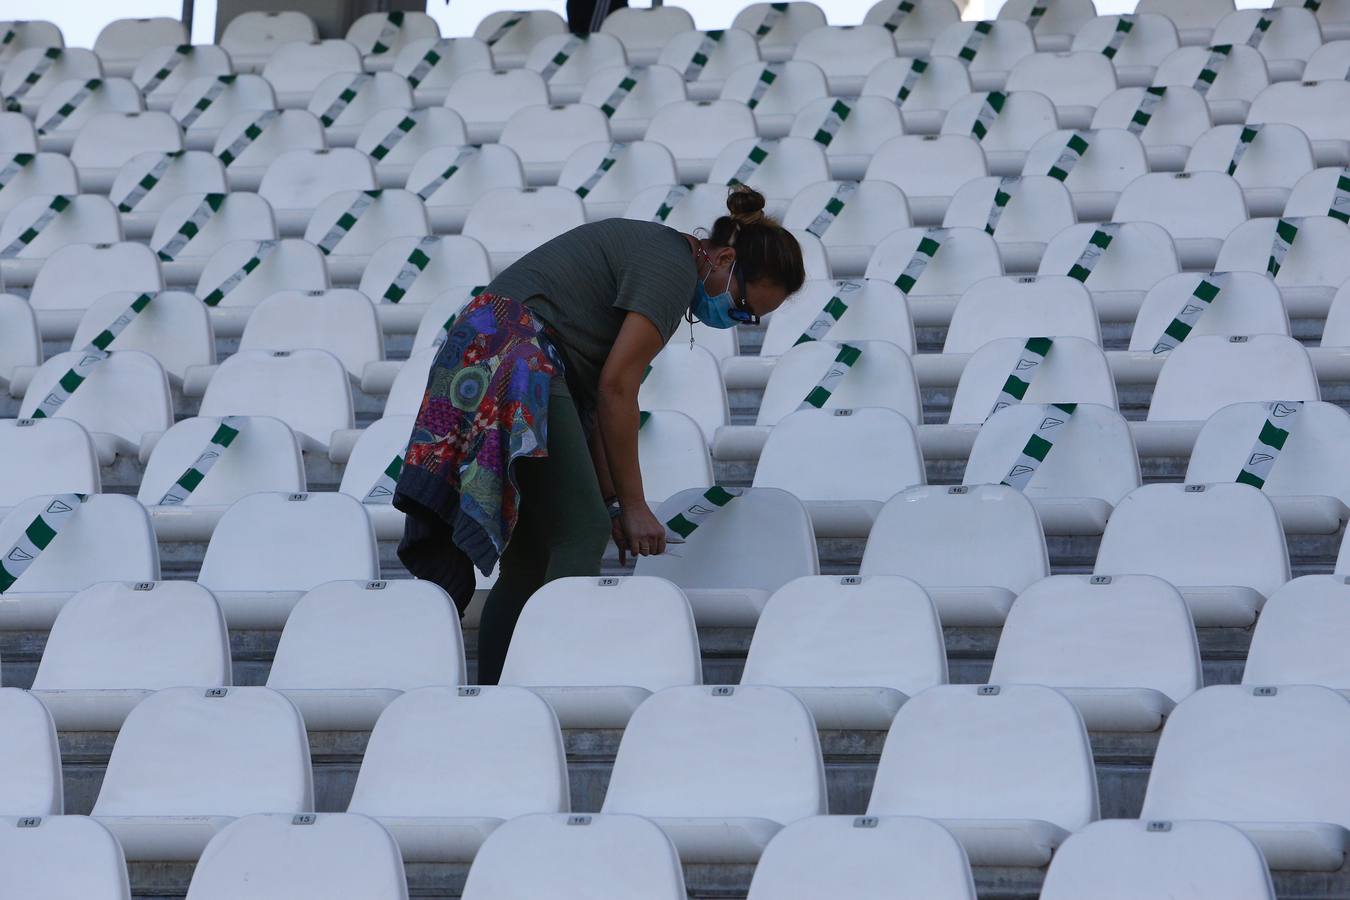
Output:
x,y
1076,83
1006,768
1057,24
1309,483
123,42
70,856
651,645
1116,859
1296,640
644,32
68,105
487,98
1091,466
846,55
1038,207
296,68
370,93
844,495
1220,545
720,769
871,857
1318,108
115,643
1074,371
511,222
249,141
787,166
1122,648
1208,372
506,735
81,219
1330,61
673,455
853,649
568,857
1271,164
173,328
1022,306
288,265
1291,37
252,36
108,141
124,400
582,59
269,548
476,171
972,548
381,35
1005,42
43,174
1139,256
795,21
1023,119
915,30
965,256
1195,19
1213,762
635,167
1241,76
77,275
773,532
941,82
186,63
1249,303
1150,39
1198,209
194,171
1316,265
239,216
875,310
31,781
30,33
454,57
1113,159
653,88
510,35
733,48
46,456
929,169
297,181
871,122
388,213
790,86
695,132
250,739
397,138
339,320
882,376
451,261
66,63
281,857
1175,123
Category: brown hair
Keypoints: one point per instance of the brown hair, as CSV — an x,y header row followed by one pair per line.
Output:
x,y
764,249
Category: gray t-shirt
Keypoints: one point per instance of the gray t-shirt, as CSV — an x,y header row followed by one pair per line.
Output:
x,y
582,284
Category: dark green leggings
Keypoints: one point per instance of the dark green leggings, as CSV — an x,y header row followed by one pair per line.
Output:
x,y
562,530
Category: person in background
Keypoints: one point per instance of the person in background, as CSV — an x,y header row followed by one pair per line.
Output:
x,y
586,16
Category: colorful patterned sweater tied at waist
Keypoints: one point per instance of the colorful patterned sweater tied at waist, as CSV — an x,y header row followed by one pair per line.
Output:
x,y
486,406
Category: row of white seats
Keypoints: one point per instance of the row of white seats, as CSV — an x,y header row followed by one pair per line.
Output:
x,y
1006,768
853,649
973,547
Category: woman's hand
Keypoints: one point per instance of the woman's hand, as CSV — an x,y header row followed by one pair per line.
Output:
x,y
641,532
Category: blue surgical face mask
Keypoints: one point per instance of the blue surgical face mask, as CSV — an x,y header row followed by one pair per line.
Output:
x,y
715,311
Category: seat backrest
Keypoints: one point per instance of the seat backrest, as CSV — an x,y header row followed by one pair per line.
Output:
x,y
1093,453
1039,207
293,129
388,137
290,542
374,634
30,758
871,122
200,61
126,395
1315,193
672,454
1004,44
794,22
44,173
80,219
20,341
920,25
291,265
1138,856
596,51
1189,13
1221,535
929,165
46,456
241,94
1247,303
1188,204
450,261
300,66
509,46
237,216
251,739
1319,254
900,857
516,220
649,636
850,439
1022,306
551,134
339,320
965,256
1179,118
846,52
109,538
306,389
571,856
1061,17
770,529
637,165
101,95
1242,75
70,856
1276,157
128,39
1291,34
653,88
734,49
1296,639
1207,372
1329,61
1074,631
258,32
882,375
67,63
111,140
1150,39
173,328
264,456
700,129
455,56
384,214
875,310
967,751
1113,159
789,165
302,179
1311,461
1139,256
373,91
427,740
795,82
143,636
372,33
278,856
192,171
490,166
719,752
1073,371
828,631
985,535
939,86
1216,748
492,96
1024,118
77,275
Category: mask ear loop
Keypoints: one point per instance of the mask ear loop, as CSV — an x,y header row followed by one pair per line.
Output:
x,y
699,234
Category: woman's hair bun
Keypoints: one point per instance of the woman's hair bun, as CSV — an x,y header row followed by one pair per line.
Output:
x,y
746,205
